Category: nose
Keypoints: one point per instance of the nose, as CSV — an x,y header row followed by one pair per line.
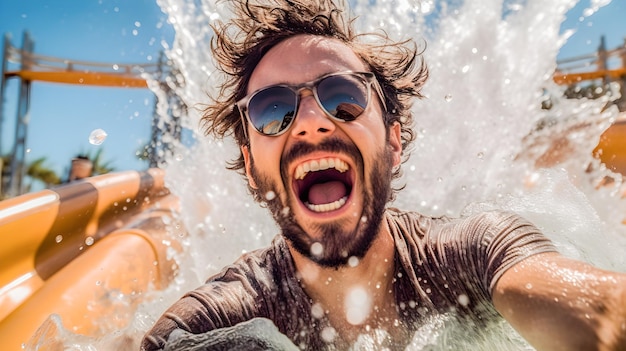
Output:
x,y
311,121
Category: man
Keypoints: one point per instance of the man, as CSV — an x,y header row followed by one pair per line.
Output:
x,y
322,117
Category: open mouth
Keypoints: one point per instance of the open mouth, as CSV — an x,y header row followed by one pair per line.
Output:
x,y
323,185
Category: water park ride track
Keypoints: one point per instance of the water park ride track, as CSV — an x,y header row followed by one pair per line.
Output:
x,y
35,67
81,78
573,78
65,250
114,79
611,149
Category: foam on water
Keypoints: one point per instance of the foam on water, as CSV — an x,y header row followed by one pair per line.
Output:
x,y
481,136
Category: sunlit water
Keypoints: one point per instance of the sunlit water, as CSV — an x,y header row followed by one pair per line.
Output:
x,y
491,65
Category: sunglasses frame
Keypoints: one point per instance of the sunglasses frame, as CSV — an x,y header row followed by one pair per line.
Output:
x,y
368,77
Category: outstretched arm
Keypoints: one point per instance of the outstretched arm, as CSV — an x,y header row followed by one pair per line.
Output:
x,y
557,303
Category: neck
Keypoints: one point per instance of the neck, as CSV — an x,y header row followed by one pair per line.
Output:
x,y
358,297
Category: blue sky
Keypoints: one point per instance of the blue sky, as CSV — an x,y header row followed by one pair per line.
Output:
x,y
124,31
63,116
609,20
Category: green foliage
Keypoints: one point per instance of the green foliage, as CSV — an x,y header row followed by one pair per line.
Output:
x,y
37,170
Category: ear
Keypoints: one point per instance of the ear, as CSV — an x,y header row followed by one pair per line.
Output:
x,y
247,159
395,143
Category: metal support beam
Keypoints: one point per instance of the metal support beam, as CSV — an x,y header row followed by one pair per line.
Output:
x,y
18,160
3,81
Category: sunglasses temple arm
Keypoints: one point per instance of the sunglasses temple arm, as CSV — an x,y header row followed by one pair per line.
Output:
x,y
244,123
381,96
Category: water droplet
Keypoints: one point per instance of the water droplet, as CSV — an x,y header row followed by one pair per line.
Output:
x,y
353,261
358,306
529,286
270,195
317,249
89,241
480,155
317,311
97,136
448,97
463,300
179,157
58,238
328,334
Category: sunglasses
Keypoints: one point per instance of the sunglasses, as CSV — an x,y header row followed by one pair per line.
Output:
x,y
343,96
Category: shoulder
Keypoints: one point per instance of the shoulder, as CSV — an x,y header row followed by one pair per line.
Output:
x,y
241,291
485,243
477,226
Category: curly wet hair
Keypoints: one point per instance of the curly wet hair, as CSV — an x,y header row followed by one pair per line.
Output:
x,y
258,25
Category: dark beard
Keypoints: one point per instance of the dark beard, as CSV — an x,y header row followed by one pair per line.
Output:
x,y
338,246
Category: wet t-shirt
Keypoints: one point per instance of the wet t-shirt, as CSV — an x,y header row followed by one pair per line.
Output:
x,y
442,265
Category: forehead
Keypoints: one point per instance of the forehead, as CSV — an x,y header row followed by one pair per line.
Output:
x,y
303,58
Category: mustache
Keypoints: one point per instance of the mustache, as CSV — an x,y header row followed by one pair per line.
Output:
x,y
303,148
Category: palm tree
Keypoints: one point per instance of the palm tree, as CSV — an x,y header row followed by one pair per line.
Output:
x,y
38,171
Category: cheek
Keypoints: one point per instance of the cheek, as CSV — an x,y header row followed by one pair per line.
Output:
x,y
370,137
267,154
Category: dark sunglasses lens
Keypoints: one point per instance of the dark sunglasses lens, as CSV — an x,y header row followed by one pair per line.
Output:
x,y
343,96
271,110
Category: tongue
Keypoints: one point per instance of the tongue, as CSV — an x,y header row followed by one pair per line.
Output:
x,y
325,193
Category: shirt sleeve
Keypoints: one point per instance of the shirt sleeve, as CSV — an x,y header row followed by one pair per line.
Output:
x,y
216,304
455,263
246,289
497,241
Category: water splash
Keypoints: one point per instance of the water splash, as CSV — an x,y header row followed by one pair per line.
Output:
x,y
488,146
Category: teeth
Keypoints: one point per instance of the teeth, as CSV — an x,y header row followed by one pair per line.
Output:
x,y
327,207
320,165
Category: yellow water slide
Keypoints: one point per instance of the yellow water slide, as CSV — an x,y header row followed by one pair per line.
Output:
x,y
62,248
611,149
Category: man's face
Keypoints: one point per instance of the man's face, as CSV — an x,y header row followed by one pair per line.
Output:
x,y
325,182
